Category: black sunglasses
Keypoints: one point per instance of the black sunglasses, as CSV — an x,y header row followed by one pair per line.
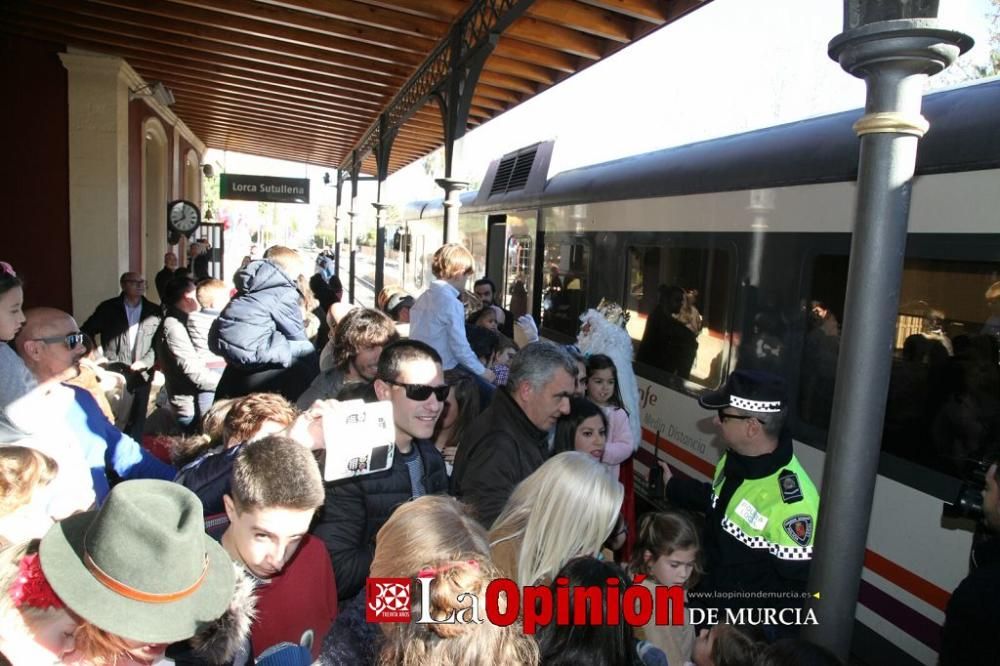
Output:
x,y
71,340
723,416
420,392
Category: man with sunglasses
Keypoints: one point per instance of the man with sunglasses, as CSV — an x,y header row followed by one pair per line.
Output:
x,y
409,375
761,507
50,343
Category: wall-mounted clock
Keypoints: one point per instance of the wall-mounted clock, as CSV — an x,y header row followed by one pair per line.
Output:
x,y
183,217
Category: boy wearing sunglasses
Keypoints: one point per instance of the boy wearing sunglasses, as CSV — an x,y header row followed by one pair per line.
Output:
x,y
409,376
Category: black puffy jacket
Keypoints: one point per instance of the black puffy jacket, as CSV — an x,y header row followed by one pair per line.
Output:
x,y
262,326
355,509
502,448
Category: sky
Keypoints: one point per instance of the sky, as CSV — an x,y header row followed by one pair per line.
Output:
x,y
728,67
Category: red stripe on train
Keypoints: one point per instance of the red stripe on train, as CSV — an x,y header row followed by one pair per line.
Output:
x,y
680,453
904,578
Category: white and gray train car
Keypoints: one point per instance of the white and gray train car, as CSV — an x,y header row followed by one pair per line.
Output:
x,y
758,225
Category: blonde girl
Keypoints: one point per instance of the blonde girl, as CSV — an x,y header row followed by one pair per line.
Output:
x,y
25,475
666,552
35,626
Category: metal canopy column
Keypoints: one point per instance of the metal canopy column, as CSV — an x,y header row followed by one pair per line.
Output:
x,y
336,223
894,45
450,74
380,209
352,213
452,191
386,135
455,99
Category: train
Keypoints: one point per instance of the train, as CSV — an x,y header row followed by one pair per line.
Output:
x,y
755,229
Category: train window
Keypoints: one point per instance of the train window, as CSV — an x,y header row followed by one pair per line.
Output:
x,y
519,271
472,234
943,407
564,286
421,263
679,301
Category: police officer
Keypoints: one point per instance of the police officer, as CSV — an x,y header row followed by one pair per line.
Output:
x,y
761,506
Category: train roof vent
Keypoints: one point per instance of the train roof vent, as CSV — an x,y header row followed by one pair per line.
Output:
x,y
523,172
512,174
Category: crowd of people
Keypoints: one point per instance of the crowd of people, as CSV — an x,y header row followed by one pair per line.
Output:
x,y
228,546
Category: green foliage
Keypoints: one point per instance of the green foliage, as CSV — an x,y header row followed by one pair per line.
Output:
x,y
210,194
323,237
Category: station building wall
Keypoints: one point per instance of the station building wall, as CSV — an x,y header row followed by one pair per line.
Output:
x,y
34,174
90,168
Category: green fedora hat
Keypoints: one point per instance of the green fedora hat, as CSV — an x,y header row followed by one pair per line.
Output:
x,y
141,567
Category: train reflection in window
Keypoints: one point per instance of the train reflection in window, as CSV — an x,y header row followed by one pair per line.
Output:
x,y
519,272
943,407
564,286
679,300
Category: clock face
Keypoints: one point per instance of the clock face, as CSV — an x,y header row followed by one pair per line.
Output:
x,y
183,216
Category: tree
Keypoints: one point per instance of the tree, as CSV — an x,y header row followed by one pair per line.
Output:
x,y
965,69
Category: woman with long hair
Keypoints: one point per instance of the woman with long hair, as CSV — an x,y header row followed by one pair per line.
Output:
x,y
460,410
543,525
438,537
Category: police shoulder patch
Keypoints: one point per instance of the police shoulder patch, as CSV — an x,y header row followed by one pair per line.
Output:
x,y
791,492
799,528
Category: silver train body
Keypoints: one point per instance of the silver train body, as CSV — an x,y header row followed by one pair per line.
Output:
x,y
759,226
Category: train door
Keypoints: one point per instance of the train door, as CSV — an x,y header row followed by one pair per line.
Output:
x,y
519,262
496,242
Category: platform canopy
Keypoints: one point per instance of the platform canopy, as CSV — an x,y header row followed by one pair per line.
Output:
x,y
309,80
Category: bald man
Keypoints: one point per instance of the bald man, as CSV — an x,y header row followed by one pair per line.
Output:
x,y
50,343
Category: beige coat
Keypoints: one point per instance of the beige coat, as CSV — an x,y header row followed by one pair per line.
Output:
x,y
676,641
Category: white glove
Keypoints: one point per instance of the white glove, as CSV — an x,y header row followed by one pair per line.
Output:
x,y
528,328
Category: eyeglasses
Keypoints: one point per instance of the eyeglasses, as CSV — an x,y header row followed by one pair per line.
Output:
x,y
723,416
135,282
420,392
71,340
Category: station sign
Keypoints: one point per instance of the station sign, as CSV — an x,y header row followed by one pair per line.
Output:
x,y
263,188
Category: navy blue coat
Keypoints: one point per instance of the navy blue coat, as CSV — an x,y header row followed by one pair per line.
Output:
x,y
262,326
210,477
355,510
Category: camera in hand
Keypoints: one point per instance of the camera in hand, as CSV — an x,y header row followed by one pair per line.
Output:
x,y
968,502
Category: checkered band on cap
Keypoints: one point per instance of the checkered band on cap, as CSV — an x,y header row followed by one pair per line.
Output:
x,y
755,405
